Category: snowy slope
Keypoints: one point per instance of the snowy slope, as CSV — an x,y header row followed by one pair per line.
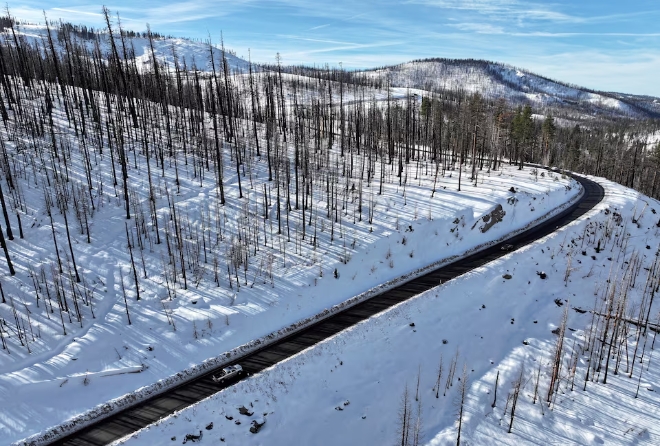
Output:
x,y
69,363
495,80
349,389
188,51
66,375
492,80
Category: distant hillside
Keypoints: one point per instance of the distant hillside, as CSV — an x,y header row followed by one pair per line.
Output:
x,y
495,80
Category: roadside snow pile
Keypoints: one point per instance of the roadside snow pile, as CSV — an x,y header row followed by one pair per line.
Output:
x,y
538,329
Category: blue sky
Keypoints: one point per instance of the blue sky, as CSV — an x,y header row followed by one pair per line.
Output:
x,y
609,45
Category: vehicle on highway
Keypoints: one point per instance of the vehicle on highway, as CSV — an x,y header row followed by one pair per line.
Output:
x,y
230,372
507,247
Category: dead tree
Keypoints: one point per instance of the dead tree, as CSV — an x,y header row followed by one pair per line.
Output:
x,y
462,395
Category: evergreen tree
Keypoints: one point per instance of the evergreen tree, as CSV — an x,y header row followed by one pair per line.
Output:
x,y
548,131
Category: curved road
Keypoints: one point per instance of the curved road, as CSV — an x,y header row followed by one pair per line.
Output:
x,y
147,412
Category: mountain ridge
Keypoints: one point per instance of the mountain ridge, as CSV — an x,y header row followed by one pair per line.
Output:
x,y
491,79
495,79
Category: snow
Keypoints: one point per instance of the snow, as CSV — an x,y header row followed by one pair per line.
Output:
x,y
652,140
348,389
494,81
58,376
101,360
188,51
52,379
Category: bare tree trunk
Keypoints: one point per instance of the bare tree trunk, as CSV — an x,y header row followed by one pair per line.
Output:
x,y
462,389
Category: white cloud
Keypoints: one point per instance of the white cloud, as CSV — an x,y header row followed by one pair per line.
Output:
x,y
77,12
185,11
514,10
319,27
167,13
479,28
478,5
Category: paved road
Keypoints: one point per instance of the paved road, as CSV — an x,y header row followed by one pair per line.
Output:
x,y
149,411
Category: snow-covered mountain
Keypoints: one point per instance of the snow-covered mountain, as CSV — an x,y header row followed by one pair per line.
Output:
x,y
191,52
491,79
495,80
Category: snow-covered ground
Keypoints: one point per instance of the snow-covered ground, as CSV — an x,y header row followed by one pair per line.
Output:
x,y
193,53
349,389
64,375
494,80
70,361
69,364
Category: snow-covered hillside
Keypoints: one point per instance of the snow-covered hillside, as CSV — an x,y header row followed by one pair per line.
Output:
x,y
193,53
146,314
164,225
494,326
495,80
102,357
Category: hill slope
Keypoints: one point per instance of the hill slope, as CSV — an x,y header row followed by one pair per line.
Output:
x,y
491,79
495,332
495,80
189,51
